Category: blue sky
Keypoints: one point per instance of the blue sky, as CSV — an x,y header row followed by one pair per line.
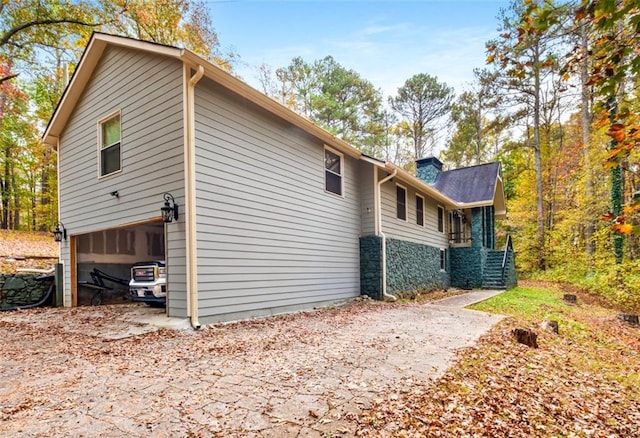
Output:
x,y
386,42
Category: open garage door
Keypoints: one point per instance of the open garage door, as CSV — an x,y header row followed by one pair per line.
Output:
x,y
104,261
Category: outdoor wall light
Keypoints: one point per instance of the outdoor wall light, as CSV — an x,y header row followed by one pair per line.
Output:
x,y
60,232
169,210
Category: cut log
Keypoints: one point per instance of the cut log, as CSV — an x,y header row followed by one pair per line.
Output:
x,y
550,326
570,298
629,318
526,337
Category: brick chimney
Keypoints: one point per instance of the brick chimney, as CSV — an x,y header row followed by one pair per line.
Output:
x,y
427,169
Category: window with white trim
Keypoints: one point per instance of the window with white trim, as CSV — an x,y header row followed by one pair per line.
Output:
x,y
420,210
110,158
443,259
333,171
401,202
440,218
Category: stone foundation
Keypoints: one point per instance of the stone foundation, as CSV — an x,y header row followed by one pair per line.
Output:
x,y
411,267
21,290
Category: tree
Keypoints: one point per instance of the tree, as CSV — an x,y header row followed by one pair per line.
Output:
x,y
183,23
528,58
422,102
477,122
336,98
40,40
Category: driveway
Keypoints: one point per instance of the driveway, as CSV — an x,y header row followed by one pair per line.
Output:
x,y
98,371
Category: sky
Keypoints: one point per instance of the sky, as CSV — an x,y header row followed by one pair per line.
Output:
x,y
384,41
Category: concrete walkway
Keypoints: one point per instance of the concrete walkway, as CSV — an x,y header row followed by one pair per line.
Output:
x,y
297,375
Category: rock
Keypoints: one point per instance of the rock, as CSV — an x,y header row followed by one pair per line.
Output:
x,y
629,318
526,337
14,283
551,326
570,298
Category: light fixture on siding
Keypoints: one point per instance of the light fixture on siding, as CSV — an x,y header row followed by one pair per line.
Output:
x,y
169,210
60,232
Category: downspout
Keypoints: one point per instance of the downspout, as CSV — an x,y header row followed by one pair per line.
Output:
x,y
382,235
190,196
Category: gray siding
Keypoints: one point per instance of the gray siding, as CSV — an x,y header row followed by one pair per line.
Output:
x,y
270,239
148,92
367,198
409,230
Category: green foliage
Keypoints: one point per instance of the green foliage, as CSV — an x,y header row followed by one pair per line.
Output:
x,y
421,102
529,302
39,40
336,98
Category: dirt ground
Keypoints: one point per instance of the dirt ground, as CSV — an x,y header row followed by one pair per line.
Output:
x,y
99,371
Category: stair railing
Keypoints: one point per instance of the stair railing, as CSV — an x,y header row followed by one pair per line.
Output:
x,y
507,247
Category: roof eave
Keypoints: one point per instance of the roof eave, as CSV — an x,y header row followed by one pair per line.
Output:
x,y
418,183
238,87
83,73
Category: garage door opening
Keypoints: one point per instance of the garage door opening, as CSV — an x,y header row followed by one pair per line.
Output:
x,y
104,261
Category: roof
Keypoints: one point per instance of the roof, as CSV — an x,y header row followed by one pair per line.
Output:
x,y
448,194
475,185
99,42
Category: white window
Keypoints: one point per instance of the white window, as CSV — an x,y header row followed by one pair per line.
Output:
x,y
440,218
401,202
109,158
420,210
443,259
333,171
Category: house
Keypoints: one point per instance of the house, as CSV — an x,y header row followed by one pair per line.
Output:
x,y
274,213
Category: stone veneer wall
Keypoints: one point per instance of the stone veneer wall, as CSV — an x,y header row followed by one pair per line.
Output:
x,y
467,265
21,290
411,267
370,266
511,276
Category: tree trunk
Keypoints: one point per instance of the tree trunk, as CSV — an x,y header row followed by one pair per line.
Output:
x,y
540,237
585,99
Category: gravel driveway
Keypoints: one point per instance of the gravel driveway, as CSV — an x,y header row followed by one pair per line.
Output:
x,y
99,371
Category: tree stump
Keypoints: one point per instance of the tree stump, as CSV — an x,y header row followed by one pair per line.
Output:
x,y
526,337
551,326
629,318
570,298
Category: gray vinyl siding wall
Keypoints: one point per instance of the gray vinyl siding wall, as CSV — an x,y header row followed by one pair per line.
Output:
x,y
409,230
269,238
367,198
148,92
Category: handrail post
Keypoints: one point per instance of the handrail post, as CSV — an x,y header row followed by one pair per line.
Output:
x,y
506,253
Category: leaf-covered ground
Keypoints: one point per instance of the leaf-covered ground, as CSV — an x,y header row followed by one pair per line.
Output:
x,y
584,382
20,250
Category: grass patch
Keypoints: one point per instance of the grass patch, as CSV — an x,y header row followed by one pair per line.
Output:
x,y
527,302
583,382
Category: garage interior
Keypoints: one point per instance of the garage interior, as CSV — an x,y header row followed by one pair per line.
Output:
x,y
110,254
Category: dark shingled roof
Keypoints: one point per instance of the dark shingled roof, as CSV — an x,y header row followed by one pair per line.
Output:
x,y
469,184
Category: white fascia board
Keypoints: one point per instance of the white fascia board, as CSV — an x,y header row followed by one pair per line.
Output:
x,y
419,184
238,87
84,71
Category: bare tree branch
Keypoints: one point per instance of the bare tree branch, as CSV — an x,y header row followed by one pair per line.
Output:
x,y
7,78
14,30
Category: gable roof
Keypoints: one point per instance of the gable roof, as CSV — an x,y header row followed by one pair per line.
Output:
x,y
474,186
100,41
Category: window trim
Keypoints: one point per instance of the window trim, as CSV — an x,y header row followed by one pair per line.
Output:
x,y
99,124
444,225
424,204
325,170
406,212
443,260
